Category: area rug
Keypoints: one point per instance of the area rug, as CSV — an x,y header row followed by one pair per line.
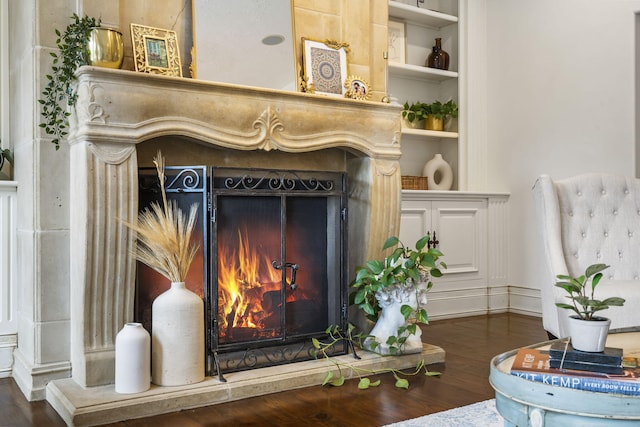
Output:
x,y
481,414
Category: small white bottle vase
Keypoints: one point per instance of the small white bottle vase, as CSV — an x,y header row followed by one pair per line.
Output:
x,y
133,359
177,337
439,174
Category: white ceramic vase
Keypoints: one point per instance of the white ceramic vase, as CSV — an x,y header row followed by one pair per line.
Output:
x,y
439,174
133,359
589,335
177,337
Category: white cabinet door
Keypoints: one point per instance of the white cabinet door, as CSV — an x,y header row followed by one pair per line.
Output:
x,y
460,229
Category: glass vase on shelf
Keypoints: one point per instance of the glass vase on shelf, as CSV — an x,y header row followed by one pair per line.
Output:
x,y
438,58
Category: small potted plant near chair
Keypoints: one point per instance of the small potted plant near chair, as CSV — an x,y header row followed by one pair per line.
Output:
x,y
588,331
392,293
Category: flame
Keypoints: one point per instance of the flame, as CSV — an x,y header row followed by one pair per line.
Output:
x,y
244,278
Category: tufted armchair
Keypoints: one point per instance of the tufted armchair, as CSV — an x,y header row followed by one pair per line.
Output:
x,y
587,219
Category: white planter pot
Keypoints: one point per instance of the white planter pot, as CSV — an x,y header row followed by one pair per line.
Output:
x,y
177,337
589,335
133,359
391,318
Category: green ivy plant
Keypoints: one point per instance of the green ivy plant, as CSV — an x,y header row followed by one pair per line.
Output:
x,y
60,91
5,154
420,110
413,112
405,266
321,350
440,110
581,293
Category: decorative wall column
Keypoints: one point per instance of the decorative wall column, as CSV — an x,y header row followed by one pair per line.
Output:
x,y
104,192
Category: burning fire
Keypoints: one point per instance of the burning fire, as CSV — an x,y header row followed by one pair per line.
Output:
x,y
249,288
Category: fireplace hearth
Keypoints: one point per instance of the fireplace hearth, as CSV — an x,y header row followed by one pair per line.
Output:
x,y
272,261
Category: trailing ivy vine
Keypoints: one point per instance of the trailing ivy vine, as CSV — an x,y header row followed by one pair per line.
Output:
x,y
60,91
335,336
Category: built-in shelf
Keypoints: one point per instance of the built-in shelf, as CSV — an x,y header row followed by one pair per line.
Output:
x,y
420,16
429,133
418,72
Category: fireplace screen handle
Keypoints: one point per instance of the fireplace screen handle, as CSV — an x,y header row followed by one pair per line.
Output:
x,y
294,268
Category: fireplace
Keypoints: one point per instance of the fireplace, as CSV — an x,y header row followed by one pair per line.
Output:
x,y
119,113
120,120
271,266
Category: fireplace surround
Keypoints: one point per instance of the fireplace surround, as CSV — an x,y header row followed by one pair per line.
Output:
x,y
123,116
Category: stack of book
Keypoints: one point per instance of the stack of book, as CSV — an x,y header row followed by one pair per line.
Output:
x,y
562,355
535,365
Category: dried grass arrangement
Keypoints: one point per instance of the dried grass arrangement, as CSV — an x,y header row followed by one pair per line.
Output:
x,y
164,234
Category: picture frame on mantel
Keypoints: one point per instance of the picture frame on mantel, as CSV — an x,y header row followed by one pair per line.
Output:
x,y
155,50
324,67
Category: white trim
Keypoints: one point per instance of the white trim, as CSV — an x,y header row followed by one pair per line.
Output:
x,y
4,75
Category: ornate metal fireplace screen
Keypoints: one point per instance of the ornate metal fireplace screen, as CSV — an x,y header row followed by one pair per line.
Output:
x,y
272,261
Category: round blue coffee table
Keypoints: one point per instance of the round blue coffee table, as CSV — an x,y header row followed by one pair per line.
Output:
x,y
527,403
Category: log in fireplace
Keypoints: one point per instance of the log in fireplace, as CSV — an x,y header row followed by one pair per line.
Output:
x,y
272,261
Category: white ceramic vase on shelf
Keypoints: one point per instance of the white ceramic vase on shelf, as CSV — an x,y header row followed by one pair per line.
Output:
x,y
133,359
439,174
177,337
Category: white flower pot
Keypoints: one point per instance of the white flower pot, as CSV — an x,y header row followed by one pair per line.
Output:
x,y
589,335
177,337
391,300
133,359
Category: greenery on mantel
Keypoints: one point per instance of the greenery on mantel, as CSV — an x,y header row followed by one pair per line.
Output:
x,y
60,92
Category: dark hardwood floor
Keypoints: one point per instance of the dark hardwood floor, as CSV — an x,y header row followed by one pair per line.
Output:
x,y
469,342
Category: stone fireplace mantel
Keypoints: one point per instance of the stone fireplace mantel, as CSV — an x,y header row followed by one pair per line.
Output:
x,y
118,109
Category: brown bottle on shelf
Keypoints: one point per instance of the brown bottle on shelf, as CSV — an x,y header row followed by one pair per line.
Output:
x,y
438,58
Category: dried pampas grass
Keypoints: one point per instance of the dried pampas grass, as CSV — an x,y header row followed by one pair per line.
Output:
x,y
164,234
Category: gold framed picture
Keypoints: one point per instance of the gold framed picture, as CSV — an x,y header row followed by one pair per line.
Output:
x,y
155,50
324,66
357,88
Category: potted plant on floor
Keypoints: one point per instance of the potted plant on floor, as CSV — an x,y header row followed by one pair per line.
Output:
x,y
392,293
588,331
83,42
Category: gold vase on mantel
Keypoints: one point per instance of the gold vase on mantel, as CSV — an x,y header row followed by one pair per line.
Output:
x,y
106,48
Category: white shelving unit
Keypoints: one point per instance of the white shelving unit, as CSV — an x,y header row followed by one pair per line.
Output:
x,y
413,82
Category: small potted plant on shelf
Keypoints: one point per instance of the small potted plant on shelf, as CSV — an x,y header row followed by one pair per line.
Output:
x,y
5,154
392,293
413,115
436,113
588,332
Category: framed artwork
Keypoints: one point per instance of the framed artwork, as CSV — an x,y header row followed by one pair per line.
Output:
x,y
324,67
155,50
397,42
357,88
